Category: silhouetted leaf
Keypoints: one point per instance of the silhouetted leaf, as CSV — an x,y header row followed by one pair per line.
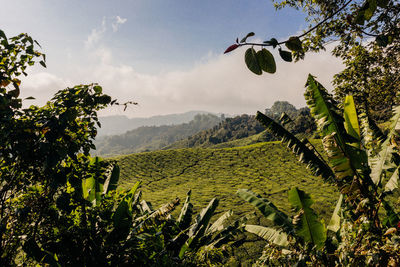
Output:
x,y
250,57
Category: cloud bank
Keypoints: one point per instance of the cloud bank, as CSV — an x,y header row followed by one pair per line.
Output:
x,y
217,83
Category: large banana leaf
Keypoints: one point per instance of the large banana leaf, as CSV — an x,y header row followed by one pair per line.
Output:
x,y
267,208
393,182
351,119
381,162
185,217
111,182
340,163
316,164
218,225
142,223
274,236
123,213
197,230
334,224
370,132
309,227
325,111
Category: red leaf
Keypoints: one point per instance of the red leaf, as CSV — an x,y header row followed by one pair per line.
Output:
x,y
231,48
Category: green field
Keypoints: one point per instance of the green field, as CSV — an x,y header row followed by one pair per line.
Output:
x,y
266,168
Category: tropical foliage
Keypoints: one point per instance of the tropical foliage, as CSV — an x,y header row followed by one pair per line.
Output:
x,y
364,225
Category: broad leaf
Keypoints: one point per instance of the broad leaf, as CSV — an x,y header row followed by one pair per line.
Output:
x,y
218,225
111,182
340,163
197,230
185,217
271,235
381,161
266,61
285,55
309,228
334,224
306,155
350,117
393,182
250,57
267,208
294,44
123,213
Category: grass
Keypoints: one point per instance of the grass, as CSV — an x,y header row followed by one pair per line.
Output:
x,y
266,168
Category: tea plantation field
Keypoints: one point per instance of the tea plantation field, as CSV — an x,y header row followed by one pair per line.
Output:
x,y
266,168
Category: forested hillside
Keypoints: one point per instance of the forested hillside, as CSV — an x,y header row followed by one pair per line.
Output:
x,y
148,138
298,121
118,124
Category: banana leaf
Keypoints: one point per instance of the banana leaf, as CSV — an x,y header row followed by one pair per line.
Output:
x,y
309,227
270,234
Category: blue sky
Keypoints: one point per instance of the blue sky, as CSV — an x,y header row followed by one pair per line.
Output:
x,y
165,54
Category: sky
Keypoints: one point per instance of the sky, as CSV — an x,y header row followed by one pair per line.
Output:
x,y
167,55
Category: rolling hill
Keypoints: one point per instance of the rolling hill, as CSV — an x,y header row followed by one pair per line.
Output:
x,y
266,168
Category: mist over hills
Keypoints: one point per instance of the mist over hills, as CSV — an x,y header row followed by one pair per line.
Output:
x,y
119,124
147,138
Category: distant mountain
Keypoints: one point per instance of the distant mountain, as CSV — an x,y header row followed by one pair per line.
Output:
x,y
111,125
147,138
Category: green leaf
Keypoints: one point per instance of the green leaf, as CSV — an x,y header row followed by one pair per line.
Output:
x,y
294,44
382,3
266,61
381,161
276,237
218,225
310,228
341,165
3,35
334,224
123,213
250,57
247,36
285,55
185,217
42,63
393,182
326,113
382,40
197,230
314,162
89,188
351,119
112,179
267,208
370,10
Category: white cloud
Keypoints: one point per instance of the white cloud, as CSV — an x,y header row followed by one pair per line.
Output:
x,y
96,35
219,83
117,22
42,86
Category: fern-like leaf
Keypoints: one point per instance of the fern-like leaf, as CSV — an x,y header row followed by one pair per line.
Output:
x,y
306,155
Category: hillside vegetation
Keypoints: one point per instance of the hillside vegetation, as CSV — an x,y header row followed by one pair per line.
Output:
x,y
119,124
266,168
149,138
298,121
